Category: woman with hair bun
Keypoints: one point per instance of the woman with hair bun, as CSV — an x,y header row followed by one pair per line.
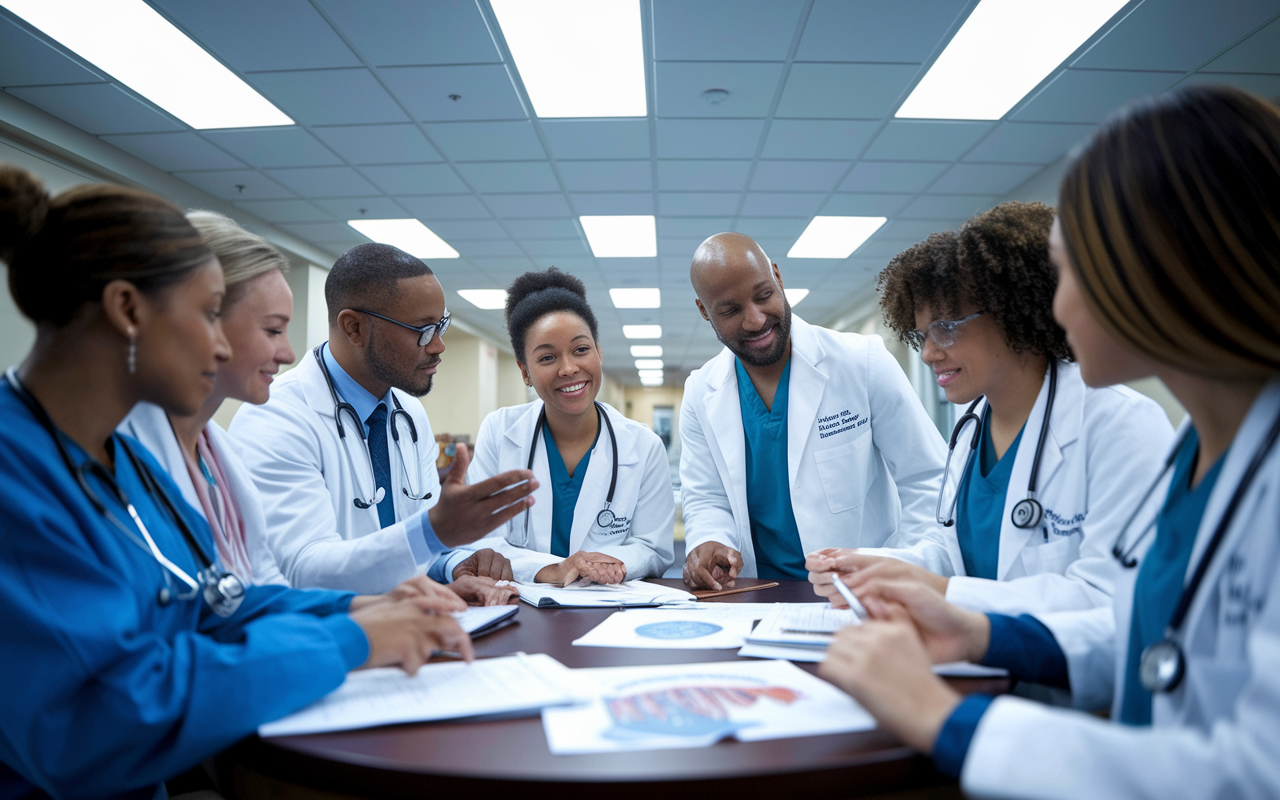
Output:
x,y
132,651
1167,247
605,509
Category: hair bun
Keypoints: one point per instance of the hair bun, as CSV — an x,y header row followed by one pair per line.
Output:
x,y
24,204
531,282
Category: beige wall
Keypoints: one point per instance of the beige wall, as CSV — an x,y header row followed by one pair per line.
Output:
x,y
511,388
640,401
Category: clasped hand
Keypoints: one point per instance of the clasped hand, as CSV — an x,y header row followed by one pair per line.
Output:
x,y
595,567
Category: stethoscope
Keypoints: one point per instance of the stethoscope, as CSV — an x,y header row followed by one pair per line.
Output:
x,y
223,591
341,407
606,517
1026,512
1162,664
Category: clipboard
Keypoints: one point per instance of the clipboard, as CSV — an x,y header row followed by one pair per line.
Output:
x,y
708,594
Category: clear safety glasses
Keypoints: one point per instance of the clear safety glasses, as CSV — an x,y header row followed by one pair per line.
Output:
x,y
425,334
942,332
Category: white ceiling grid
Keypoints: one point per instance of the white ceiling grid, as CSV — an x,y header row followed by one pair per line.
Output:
x,y
807,129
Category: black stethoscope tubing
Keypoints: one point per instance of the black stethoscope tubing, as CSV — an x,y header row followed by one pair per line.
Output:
x,y
605,518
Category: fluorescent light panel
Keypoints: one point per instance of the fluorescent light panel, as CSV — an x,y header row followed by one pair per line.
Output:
x,y
636,298
650,381
625,236
648,363
1004,50
577,58
409,235
794,296
650,373
488,299
646,351
834,237
642,331
132,43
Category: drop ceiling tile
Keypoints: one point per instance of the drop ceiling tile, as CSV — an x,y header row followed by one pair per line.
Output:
x,y
487,248
254,35
241,184
324,181
761,28
610,203
705,176
845,91
97,108
347,208
329,96
510,176
873,30
1081,95
698,204
274,147
278,211
881,248
1028,142
453,206
604,176
928,140
1265,85
989,179
915,230
683,247
891,176
415,179
486,141
530,229
484,92
1175,35
27,60
528,206
797,176
865,205
818,138
503,265
379,144
174,151
701,227
606,139
399,32
451,229
326,232
765,228
1260,53
680,86
583,266
783,204
942,206
543,248
708,138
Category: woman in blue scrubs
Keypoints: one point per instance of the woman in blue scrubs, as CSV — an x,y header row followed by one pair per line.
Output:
x,y
129,654
1168,254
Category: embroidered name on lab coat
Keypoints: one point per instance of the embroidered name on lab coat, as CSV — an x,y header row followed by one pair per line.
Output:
x,y
621,526
1062,525
840,423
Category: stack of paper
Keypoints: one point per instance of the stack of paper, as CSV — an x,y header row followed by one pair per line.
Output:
x,y
705,626
456,690
593,595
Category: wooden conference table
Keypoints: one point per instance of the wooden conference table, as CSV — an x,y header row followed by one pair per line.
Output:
x,y
468,759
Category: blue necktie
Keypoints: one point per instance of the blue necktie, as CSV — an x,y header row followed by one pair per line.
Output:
x,y
381,464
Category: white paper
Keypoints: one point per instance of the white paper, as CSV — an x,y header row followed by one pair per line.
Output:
x,y
477,617
594,595
454,690
706,626
697,705
802,624
954,669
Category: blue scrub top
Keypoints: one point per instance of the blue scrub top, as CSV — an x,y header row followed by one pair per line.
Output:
x,y
1164,571
108,693
564,490
981,505
779,554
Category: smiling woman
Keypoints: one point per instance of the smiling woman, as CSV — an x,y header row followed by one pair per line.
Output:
x,y
611,508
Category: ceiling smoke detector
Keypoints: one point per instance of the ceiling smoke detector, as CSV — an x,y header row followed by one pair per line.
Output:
x,y
715,97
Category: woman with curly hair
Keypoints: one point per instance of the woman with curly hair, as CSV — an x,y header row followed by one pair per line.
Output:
x,y
1044,469
604,509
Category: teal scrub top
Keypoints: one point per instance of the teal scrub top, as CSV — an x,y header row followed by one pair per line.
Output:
x,y
774,534
564,491
1164,570
982,494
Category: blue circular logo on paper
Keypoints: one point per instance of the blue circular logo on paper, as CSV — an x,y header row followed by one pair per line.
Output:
x,y
683,629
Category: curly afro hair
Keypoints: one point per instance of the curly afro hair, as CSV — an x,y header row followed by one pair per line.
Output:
x,y
533,295
997,262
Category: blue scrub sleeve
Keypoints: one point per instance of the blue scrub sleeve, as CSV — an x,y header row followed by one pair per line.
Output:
x,y
952,744
1025,647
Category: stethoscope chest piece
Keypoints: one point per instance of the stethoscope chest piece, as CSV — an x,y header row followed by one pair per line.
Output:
x,y
223,591
605,518
1027,513
1161,666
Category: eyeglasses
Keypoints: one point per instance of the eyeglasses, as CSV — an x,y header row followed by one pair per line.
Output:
x,y
942,332
425,334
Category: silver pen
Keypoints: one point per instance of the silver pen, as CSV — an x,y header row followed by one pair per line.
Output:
x,y
847,593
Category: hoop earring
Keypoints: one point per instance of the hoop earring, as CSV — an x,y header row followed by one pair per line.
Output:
x,y
133,354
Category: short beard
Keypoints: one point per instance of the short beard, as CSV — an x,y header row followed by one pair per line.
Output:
x,y
775,352
385,370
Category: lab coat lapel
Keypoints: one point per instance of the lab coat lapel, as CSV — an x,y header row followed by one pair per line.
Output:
x,y
314,387
808,382
595,484
519,437
725,430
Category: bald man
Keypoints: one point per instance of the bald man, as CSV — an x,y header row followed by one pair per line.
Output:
x,y
794,438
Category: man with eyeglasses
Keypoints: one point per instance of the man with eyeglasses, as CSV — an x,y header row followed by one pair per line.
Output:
x,y
794,438
344,457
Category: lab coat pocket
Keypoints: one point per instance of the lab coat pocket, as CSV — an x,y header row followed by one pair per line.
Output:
x,y
1052,556
843,471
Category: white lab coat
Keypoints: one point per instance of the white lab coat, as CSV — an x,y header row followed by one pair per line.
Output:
x,y
1103,449
1218,734
319,537
863,459
150,425
641,536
